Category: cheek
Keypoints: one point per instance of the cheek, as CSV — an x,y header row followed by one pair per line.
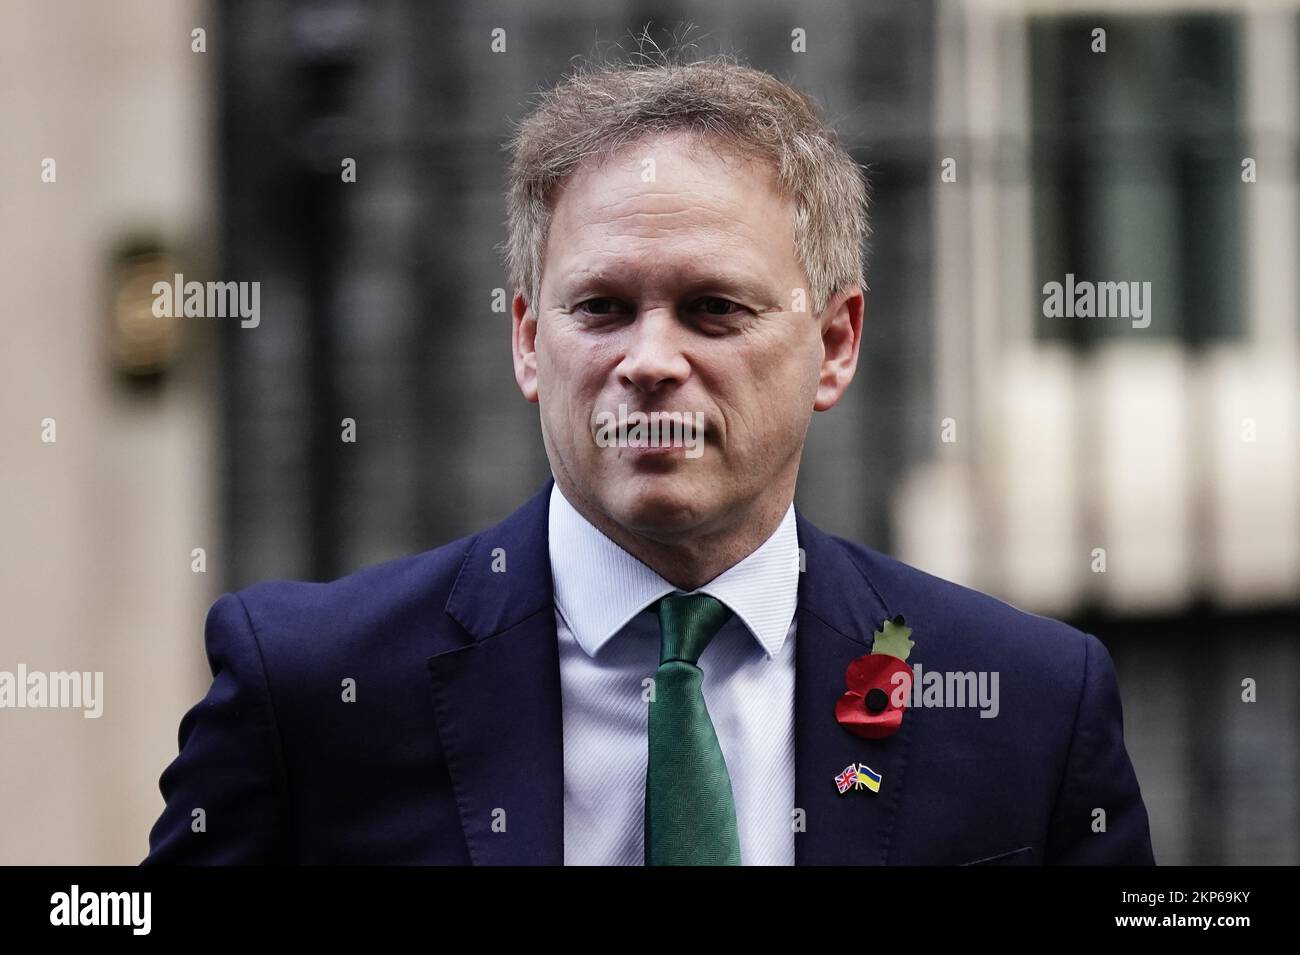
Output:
x,y
554,359
567,380
804,370
769,400
776,379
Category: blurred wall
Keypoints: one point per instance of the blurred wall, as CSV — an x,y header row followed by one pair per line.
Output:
x,y
97,528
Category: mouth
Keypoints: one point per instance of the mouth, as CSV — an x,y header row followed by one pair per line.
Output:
x,y
661,450
651,434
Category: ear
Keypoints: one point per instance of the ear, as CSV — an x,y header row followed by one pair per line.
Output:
x,y
523,345
841,330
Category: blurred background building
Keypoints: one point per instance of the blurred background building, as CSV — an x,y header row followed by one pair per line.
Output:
x,y
1142,483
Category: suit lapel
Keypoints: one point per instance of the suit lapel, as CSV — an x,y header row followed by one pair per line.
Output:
x,y
839,611
497,696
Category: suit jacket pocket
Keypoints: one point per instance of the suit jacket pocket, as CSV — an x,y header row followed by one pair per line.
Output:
x,y
1022,856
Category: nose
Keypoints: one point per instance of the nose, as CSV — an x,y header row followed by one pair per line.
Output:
x,y
654,358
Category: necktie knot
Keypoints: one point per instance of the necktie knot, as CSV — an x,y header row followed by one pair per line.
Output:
x,y
687,623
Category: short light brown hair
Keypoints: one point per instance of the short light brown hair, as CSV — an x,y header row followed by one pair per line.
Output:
x,y
596,111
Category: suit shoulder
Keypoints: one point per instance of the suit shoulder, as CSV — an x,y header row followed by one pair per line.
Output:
x,y
391,582
965,617
294,621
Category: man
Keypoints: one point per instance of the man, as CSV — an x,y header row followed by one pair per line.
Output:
x,y
657,660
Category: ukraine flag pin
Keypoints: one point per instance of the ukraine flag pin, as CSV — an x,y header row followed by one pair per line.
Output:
x,y
868,777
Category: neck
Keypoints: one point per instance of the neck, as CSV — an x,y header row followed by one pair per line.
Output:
x,y
690,562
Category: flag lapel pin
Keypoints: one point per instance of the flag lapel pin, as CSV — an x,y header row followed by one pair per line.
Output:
x,y
857,776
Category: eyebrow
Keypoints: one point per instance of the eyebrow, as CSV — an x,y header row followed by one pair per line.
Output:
x,y
692,282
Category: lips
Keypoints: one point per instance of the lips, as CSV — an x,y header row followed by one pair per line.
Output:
x,y
653,430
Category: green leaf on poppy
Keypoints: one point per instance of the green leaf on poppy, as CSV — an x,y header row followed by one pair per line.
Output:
x,y
892,639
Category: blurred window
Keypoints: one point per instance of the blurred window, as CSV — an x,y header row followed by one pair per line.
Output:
x,y
1137,172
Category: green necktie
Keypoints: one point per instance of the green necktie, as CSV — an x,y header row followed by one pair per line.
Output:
x,y
690,815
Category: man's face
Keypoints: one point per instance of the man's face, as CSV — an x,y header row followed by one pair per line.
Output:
x,y
675,287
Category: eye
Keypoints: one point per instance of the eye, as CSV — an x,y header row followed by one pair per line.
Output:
x,y
599,306
712,305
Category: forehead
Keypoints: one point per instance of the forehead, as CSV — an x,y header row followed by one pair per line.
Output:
x,y
672,200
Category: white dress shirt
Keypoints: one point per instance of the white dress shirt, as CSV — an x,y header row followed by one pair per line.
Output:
x,y
609,645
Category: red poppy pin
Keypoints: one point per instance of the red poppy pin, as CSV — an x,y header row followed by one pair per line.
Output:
x,y
879,684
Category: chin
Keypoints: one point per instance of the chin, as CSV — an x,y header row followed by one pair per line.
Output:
x,y
658,504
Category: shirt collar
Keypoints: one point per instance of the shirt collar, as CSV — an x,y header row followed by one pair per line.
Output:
x,y
600,587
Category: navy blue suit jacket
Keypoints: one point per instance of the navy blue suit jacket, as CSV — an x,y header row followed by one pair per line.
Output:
x,y
457,713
